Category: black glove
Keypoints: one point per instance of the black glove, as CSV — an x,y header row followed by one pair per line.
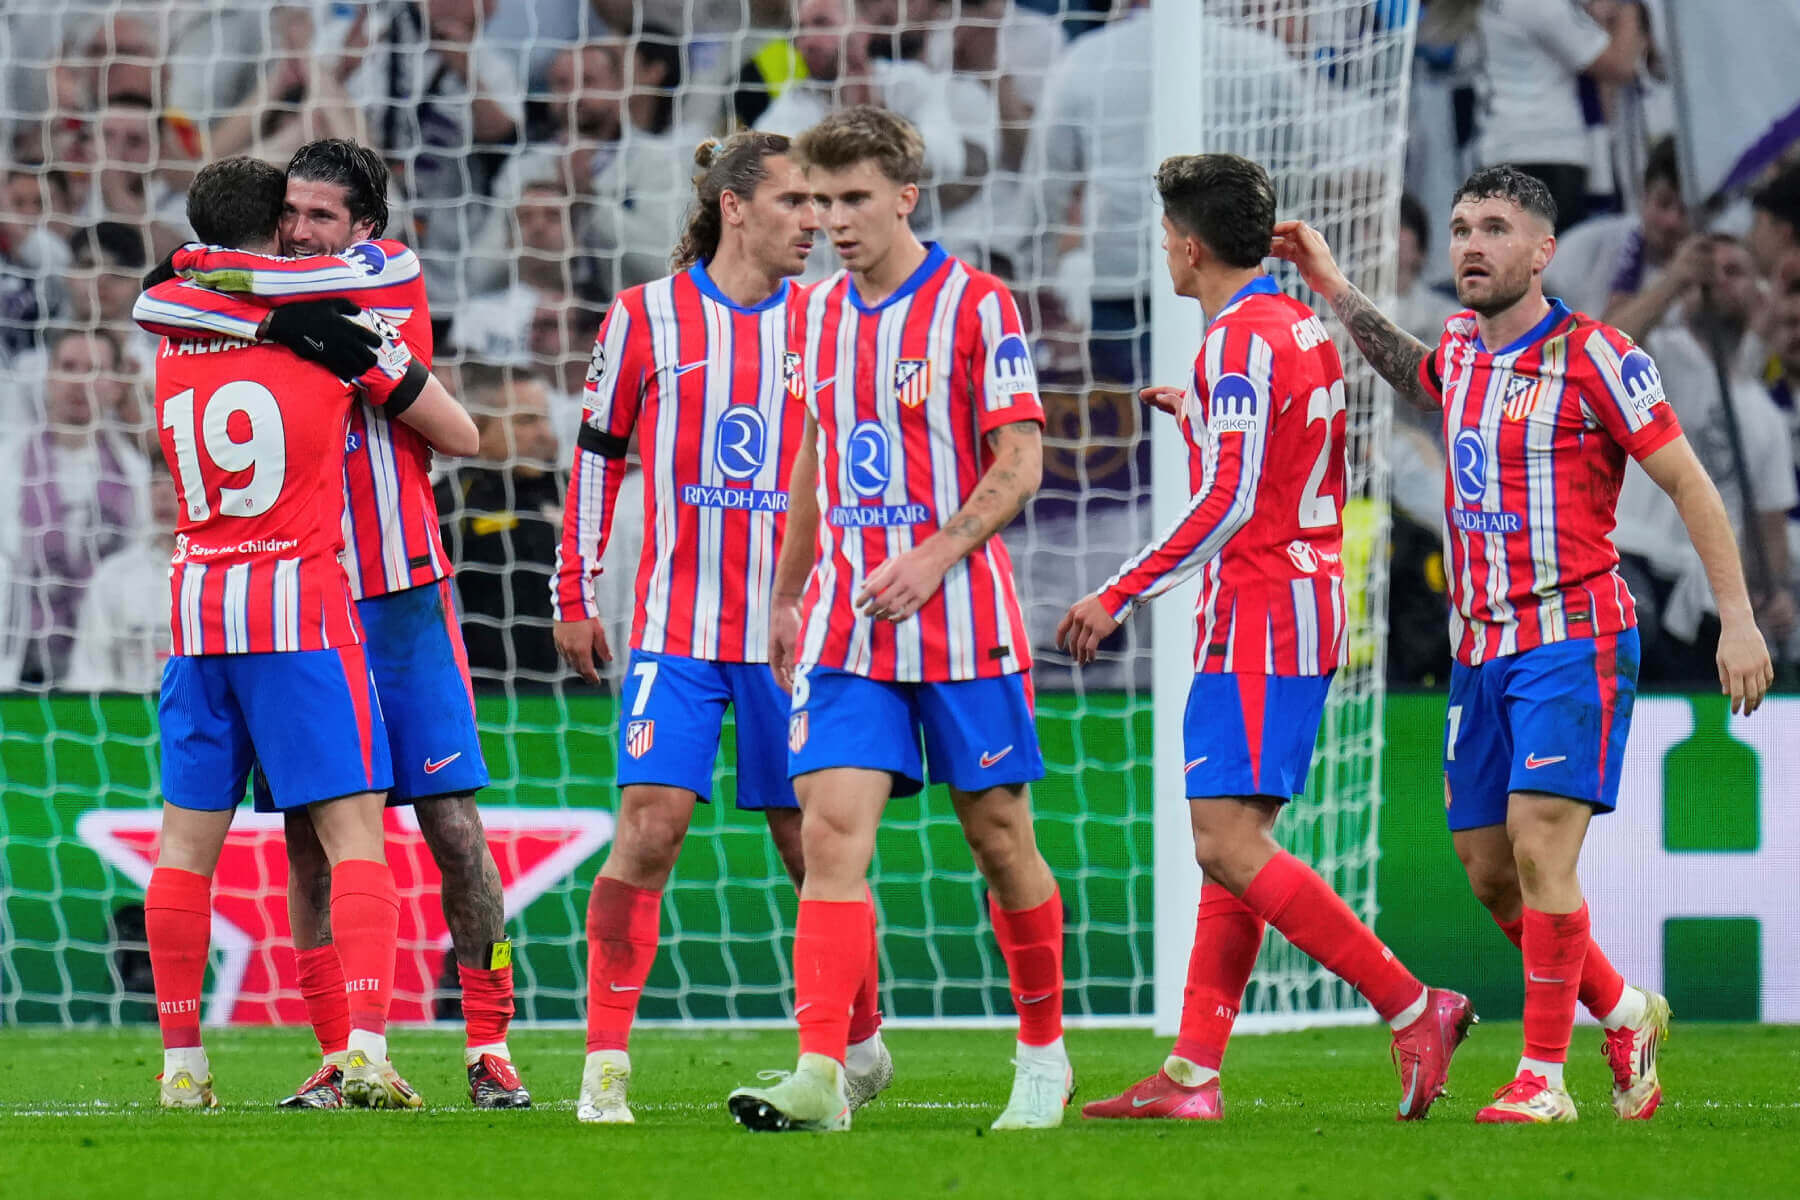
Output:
x,y
162,272
321,331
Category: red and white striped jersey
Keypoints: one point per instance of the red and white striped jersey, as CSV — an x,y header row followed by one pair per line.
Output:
x,y
905,393
390,514
254,437
1264,423
712,392
1535,438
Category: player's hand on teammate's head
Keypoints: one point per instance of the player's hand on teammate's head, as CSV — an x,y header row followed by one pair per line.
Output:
x,y
582,644
322,331
1745,671
1083,628
1161,396
1305,247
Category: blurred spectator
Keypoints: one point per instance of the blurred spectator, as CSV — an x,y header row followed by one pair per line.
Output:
x,y
1005,53
275,89
122,633
769,65
1607,260
144,171
106,272
561,343
1749,441
71,492
1534,54
1775,219
443,105
1782,375
30,258
496,325
1419,307
502,521
841,71
608,136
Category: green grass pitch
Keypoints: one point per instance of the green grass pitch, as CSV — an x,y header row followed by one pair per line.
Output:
x,y
1307,1115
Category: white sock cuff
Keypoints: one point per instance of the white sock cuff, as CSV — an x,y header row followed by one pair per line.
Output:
x,y
1551,1071
1628,1011
472,1054
1411,1012
372,1045
1050,1052
1187,1072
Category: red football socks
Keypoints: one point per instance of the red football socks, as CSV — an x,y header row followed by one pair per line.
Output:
x,y
1555,945
1227,937
831,958
1290,896
365,925
865,1013
487,1003
322,987
1031,941
1601,984
623,925
178,924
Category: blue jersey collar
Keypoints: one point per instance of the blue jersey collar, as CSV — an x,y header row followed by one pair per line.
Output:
x,y
935,257
1262,285
1559,312
708,288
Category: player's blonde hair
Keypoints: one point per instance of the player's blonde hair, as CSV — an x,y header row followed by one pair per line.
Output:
x,y
865,133
737,164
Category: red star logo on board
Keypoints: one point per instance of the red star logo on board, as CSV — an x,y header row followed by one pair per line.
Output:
x,y
254,977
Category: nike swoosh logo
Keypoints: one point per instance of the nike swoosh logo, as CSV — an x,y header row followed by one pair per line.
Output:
x,y
798,1009
1036,999
988,760
686,367
316,344
615,987
1145,1103
1533,762
822,385
1536,978
432,768
1194,762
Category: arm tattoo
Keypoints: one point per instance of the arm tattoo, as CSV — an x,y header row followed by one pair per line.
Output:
x,y
1394,353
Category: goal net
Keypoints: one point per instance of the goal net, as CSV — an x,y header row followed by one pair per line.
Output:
x,y
109,107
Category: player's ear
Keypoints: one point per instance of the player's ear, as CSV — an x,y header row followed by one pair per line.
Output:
x,y
1546,251
731,208
909,198
362,231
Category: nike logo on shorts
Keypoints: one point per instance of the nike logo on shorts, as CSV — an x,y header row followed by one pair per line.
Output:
x,y
1194,762
432,767
988,759
1533,762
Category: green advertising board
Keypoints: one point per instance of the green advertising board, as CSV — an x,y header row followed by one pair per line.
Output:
x,y
79,814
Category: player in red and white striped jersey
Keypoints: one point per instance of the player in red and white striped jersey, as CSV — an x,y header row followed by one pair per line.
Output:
x,y
923,439
699,368
1265,429
336,203
1540,407
263,627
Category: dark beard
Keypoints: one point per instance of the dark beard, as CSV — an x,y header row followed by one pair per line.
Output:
x,y
1500,301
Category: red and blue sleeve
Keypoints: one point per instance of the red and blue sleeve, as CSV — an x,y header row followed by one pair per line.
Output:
x,y
1233,444
1622,390
617,376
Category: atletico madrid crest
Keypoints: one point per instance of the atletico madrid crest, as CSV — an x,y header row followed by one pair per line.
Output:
x,y
797,725
1521,396
912,381
639,737
793,376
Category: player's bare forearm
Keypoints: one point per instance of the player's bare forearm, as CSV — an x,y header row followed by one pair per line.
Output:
x,y
1677,471
1394,353
800,539
1010,481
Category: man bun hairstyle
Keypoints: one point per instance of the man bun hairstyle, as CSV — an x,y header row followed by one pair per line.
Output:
x,y
1506,182
1225,200
865,133
737,164
356,168
236,202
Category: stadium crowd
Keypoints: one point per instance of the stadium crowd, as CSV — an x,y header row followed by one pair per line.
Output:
x,y
541,152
